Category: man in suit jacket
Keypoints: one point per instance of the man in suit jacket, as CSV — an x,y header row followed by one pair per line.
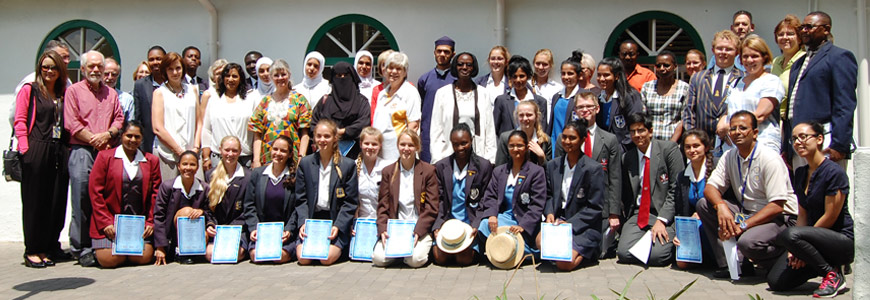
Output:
x,y
651,173
708,89
822,85
142,92
251,67
191,57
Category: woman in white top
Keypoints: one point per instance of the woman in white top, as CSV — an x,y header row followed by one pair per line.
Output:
x,y
759,92
227,115
313,87
369,166
265,85
174,116
398,105
496,83
542,85
363,63
473,111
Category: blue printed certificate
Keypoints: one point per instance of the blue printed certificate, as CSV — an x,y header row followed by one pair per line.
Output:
x,y
345,146
128,235
316,243
191,236
226,244
688,231
363,243
400,242
269,241
556,241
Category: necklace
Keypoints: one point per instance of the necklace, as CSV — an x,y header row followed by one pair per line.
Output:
x,y
179,94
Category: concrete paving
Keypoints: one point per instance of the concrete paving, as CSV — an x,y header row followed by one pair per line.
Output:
x,y
360,280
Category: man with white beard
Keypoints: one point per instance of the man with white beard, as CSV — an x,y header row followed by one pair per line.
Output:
x,y
93,116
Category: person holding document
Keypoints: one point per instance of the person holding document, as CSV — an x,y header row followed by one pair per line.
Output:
x,y
463,177
328,192
183,197
227,186
124,180
408,191
697,147
650,171
269,197
822,240
515,196
369,167
575,185
764,204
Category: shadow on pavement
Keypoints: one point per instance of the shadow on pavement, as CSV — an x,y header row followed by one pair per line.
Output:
x,y
50,285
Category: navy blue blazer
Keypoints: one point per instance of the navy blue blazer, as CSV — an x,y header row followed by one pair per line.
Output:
x,y
503,112
531,182
343,191
826,93
481,81
479,174
607,151
618,125
231,209
583,202
255,201
143,89
169,201
666,167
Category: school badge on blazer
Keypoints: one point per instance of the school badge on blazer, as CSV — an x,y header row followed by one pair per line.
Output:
x,y
520,179
474,194
339,192
422,197
663,178
470,172
238,205
604,164
619,121
580,193
524,197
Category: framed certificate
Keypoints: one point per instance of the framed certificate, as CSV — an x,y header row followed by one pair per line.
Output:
x,y
556,241
688,231
363,243
226,244
191,236
269,241
129,230
401,240
316,243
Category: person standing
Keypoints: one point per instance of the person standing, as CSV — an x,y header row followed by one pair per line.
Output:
x,y
191,57
53,45
429,83
143,90
175,116
346,107
364,64
313,87
251,67
786,32
635,74
93,116
541,83
398,105
110,78
665,98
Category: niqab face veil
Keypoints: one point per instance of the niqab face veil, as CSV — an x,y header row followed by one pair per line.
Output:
x,y
345,98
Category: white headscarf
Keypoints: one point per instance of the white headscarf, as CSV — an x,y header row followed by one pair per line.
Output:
x,y
313,88
262,87
368,81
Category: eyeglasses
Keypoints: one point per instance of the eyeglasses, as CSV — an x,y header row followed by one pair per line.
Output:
x,y
802,138
46,68
663,65
585,107
809,27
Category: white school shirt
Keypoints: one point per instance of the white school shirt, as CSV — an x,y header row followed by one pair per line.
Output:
x,y
406,194
323,186
368,185
131,167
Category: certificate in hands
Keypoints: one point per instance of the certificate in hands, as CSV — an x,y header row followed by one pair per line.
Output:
x,y
688,231
226,244
269,241
401,238
316,243
191,236
363,243
128,235
556,241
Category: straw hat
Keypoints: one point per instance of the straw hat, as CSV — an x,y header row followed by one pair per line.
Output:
x,y
505,249
454,236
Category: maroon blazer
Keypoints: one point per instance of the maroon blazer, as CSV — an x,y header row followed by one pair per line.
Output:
x,y
104,187
425,197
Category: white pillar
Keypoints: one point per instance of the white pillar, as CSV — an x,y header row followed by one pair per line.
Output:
x,y
861,217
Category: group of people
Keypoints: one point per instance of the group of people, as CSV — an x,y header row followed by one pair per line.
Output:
x,y
754,146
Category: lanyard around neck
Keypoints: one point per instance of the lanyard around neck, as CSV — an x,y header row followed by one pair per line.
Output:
x,y
748,170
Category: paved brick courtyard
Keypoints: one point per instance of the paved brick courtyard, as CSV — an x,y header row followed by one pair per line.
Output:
x,y
356,280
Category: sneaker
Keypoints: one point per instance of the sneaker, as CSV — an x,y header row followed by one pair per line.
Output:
x,y
832,285
88,260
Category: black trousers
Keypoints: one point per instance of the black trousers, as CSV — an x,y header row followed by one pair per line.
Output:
x,y
44,186
821,249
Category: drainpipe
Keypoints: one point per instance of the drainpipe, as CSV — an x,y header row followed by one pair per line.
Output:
x,y
213,41
863,87
499,22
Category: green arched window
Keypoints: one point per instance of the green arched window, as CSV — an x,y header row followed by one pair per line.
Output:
x,y
82,36
655,31
340,38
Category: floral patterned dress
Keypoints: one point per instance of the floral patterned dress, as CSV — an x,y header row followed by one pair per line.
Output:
x,y
275,118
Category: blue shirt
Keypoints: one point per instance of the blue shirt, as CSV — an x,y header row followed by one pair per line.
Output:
x,y
458,207
427,85
559,111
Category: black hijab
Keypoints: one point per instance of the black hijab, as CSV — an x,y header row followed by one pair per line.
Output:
x,y
345,96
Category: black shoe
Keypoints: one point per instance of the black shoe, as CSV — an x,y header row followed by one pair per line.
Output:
x,y
60,255
722,273
186,261
747,269
32,264
48,262
88,260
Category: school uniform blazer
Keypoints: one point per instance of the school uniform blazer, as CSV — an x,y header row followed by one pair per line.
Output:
x,y
481,81
231,210
341,209
169,201
528,213
105,188
607,151
426,197
682,206
502,156
826,93
477,179
143,90
583,202
503,113
699,111
666,166
255,201
618,124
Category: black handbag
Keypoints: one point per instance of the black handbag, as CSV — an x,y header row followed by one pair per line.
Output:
x,y
11,157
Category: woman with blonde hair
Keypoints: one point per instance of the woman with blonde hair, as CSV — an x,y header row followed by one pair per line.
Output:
x,y
529,116
376,90
542,85
142,70
496,82
369,167
227,187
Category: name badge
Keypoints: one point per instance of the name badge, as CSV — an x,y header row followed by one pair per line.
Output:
x,y
740,219
524,197
520,179
55,132
339,192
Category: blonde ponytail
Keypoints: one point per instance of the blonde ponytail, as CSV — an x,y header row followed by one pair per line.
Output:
x,y
219,178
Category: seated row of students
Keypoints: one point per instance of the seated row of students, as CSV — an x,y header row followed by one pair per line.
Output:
x,y
512,197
